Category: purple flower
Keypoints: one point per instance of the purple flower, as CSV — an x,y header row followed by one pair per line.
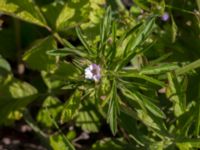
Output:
x,y
165,16
93,72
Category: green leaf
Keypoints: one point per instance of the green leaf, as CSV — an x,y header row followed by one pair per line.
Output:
x,y
176,94
187,144
131,95
189,67
4,66
132,127
15,95
54,108
23,9
21,89
36,57
135,40
51,82
71,107
185,121
142,4
148,120
161,68
141,112
51,11
197,125
66,52
129,33
157,145
71,14
113,109
59,142
152,107
139,76
115,144
66,71
88,118
198,4
142,34
105,30
91,27
174,29
143,102
83,41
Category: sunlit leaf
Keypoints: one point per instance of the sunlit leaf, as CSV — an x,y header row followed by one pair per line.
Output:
x,y
23,9
189,67
107,144
176,94
71,107
88,118
15,95
113,109
54,108
187,144
58,142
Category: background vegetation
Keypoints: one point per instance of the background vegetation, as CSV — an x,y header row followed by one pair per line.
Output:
x,y
144,88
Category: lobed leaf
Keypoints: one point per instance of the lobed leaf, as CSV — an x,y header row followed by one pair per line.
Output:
x,y
23,9
36,57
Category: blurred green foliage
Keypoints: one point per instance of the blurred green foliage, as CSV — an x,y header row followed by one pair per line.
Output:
x,y
147,95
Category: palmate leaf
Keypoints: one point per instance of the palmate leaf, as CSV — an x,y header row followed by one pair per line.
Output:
x,y
65,15
71,107
54,107
66,71
14,96
36,57
59,142
51,12
71,14
23,9
88,118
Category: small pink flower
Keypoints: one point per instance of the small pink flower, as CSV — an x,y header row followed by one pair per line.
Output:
x,y
165,16
93,72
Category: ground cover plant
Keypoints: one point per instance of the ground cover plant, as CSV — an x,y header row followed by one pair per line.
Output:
x,y
98,75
